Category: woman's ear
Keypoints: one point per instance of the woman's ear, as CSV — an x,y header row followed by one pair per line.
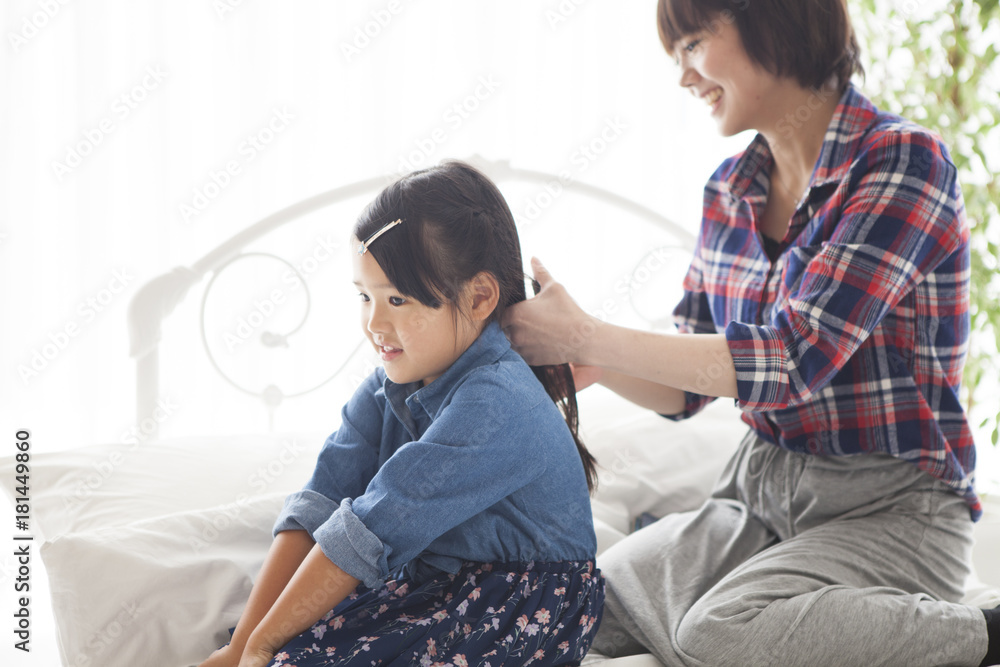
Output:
x,y
483,294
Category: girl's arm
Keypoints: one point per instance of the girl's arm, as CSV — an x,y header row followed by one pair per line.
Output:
x,y
286,554
317,586
651,369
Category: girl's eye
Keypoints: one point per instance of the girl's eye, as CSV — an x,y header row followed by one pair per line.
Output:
x,y
364,297
397,300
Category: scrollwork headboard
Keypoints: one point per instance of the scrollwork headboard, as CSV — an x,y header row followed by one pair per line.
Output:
x,y
158,298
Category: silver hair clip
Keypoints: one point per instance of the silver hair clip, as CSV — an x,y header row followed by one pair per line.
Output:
x,y
363,248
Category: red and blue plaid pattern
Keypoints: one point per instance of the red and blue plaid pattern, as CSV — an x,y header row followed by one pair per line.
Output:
x,y
854,339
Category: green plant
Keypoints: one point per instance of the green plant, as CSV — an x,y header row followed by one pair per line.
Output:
x,y
936,63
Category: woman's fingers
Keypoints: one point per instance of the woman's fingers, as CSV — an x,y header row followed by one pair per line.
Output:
x,y
540,273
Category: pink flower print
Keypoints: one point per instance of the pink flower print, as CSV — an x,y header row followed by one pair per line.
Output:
x,y
441,615
539,654
522,621
401,591
564,647
467,629
583,619
391,585
460,661
431,647
319,631
281,656
383,608
560,591
337,622
330,650
542,616
531,630
475,593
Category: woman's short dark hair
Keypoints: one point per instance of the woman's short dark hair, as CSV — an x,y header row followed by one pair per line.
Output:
x,y
808,40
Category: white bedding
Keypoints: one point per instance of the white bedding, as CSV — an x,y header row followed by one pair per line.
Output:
x,y
150,551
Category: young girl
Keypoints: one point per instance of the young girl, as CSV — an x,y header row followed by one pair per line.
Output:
x,y
448,520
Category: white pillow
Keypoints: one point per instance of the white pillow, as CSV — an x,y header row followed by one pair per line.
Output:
x,y
650,464
150,550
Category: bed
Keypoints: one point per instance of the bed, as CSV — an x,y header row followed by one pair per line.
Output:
x,y
150,545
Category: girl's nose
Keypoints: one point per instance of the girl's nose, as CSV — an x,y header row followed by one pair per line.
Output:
x,y
377,322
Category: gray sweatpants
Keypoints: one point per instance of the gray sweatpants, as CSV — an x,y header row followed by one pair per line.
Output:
x,y
800,560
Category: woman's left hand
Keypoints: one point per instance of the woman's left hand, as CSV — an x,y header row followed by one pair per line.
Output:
x,y
549,328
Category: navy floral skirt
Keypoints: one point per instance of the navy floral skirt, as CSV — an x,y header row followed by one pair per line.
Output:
x,y
486,615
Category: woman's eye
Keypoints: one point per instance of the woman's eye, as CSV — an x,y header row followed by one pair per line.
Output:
x,y
691,45
397,300
364,297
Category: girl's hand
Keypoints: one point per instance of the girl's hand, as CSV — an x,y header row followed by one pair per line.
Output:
x,y
256,654
224,657
549,328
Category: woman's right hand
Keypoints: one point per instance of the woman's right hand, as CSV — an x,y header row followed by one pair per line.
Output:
x,y
226,656
550,328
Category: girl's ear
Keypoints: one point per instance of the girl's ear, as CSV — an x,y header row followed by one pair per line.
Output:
x,y
483,294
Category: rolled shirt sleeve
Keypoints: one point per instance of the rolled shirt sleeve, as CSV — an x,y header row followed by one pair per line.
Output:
x,y
691,316
898,223
347,462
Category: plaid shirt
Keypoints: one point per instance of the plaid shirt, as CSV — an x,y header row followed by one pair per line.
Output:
x,y
854,339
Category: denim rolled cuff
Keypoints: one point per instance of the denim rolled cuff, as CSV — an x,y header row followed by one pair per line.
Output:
x,y
761,365
348,543
305,510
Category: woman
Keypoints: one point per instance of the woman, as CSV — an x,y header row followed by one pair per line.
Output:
x,y
829,292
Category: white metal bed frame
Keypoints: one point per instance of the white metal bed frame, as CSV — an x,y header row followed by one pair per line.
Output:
x,y
156,299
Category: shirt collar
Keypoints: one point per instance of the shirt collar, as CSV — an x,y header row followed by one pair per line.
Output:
x,y
854,116
491,344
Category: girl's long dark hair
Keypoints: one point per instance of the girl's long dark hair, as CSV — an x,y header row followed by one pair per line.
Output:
x,y
456,224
